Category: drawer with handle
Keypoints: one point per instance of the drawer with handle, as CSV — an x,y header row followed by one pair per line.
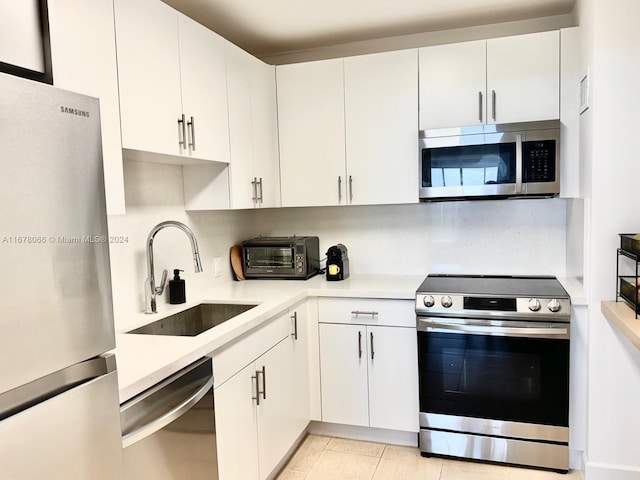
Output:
x,y
367,311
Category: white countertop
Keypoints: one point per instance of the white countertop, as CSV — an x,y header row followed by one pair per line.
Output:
x,y
144,360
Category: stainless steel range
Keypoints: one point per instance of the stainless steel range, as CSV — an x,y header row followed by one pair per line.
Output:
x,y
493,356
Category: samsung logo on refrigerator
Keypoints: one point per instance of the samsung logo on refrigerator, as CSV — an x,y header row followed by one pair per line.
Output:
x,y
74,111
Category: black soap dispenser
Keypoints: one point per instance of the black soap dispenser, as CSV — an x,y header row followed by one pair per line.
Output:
x,y
177,292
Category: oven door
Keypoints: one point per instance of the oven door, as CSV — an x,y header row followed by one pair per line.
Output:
x,y
488,164
512,375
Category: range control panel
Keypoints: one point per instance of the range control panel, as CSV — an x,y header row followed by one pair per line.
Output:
x,y
450,305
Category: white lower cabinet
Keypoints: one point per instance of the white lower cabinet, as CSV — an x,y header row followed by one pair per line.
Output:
x,y
368,371
261,410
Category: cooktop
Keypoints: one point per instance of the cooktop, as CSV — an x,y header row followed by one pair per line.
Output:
x,y
498,285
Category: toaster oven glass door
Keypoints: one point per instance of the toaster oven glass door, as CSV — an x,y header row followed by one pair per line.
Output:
x,y
270,257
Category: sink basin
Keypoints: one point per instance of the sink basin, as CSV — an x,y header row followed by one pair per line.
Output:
x,y
195,320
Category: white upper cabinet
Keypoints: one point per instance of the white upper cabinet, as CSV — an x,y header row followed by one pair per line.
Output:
x,y
253,130
523,77
453,80
500,80
83,57
348,130
312,133
204,90
381,112
170,69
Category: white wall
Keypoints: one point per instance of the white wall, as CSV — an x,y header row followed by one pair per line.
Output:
x,y
490,237
154,194
609,158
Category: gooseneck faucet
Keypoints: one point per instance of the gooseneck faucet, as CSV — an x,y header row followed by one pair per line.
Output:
x,y
150,288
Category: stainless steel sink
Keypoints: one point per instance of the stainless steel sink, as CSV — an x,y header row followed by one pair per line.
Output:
x,y
195,320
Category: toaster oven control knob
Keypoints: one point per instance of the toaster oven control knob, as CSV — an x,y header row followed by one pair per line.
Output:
x,y
553,305
428,301
534,304
446,301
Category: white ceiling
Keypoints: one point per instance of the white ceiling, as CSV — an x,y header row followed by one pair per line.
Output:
x,y
267,27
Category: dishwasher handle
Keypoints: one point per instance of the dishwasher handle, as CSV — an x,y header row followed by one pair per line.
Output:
x,y
147,413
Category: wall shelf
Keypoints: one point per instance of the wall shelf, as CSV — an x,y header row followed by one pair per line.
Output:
x,y
622,318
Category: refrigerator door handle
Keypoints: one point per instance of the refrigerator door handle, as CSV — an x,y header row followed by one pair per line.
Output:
x,y
32,393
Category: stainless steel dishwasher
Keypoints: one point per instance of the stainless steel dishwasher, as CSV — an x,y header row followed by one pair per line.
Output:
x,y
168,431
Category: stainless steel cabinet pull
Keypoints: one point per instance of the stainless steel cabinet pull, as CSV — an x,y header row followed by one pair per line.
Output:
x,y
254,185
182,132
363,312
192,127
260,199
480,106
493,103
264,382
350,189
371,334
359,344
294,317
255,379
339,189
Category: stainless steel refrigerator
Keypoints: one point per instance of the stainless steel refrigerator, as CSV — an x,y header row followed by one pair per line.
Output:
x,y
59,409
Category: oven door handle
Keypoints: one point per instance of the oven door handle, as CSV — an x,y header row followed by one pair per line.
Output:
x,y
442,327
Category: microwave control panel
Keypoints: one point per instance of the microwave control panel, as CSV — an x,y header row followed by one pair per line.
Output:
x,y
539,161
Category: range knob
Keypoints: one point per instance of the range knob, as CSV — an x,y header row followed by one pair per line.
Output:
x,y
553,305
428,301
446,301
534,304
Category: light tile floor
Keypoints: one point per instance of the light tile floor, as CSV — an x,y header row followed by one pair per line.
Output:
x,y
328,458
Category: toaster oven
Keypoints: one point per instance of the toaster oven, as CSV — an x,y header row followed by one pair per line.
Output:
x,y
281,257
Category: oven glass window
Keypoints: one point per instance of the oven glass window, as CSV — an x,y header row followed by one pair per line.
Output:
x,y
469,165
272,257
501,378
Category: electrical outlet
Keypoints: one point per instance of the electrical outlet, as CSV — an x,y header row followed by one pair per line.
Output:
x,y
216,267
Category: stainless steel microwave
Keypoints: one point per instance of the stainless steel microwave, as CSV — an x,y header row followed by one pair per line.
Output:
x,y
281,257
490,161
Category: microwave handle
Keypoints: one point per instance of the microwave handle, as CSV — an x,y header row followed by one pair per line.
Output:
x,y
519,145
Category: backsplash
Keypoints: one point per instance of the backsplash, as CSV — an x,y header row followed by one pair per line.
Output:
x,y
489,237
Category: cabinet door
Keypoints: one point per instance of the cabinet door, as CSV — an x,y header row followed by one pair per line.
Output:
x,y
204,90
277,425
393,378
264,119
300,343
343,374
83,54
381,111
239,66
312,135
149,75
453,81
524,73
236,426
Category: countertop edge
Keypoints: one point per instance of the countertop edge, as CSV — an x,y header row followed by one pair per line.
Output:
x,y
621,316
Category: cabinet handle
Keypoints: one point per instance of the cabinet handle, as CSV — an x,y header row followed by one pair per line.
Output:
x,y
294,317
255,379
254,184
339,189
480,106
192,127
362,312
359,344
182,132
350,189
260,199
371,333
493,104
264,382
